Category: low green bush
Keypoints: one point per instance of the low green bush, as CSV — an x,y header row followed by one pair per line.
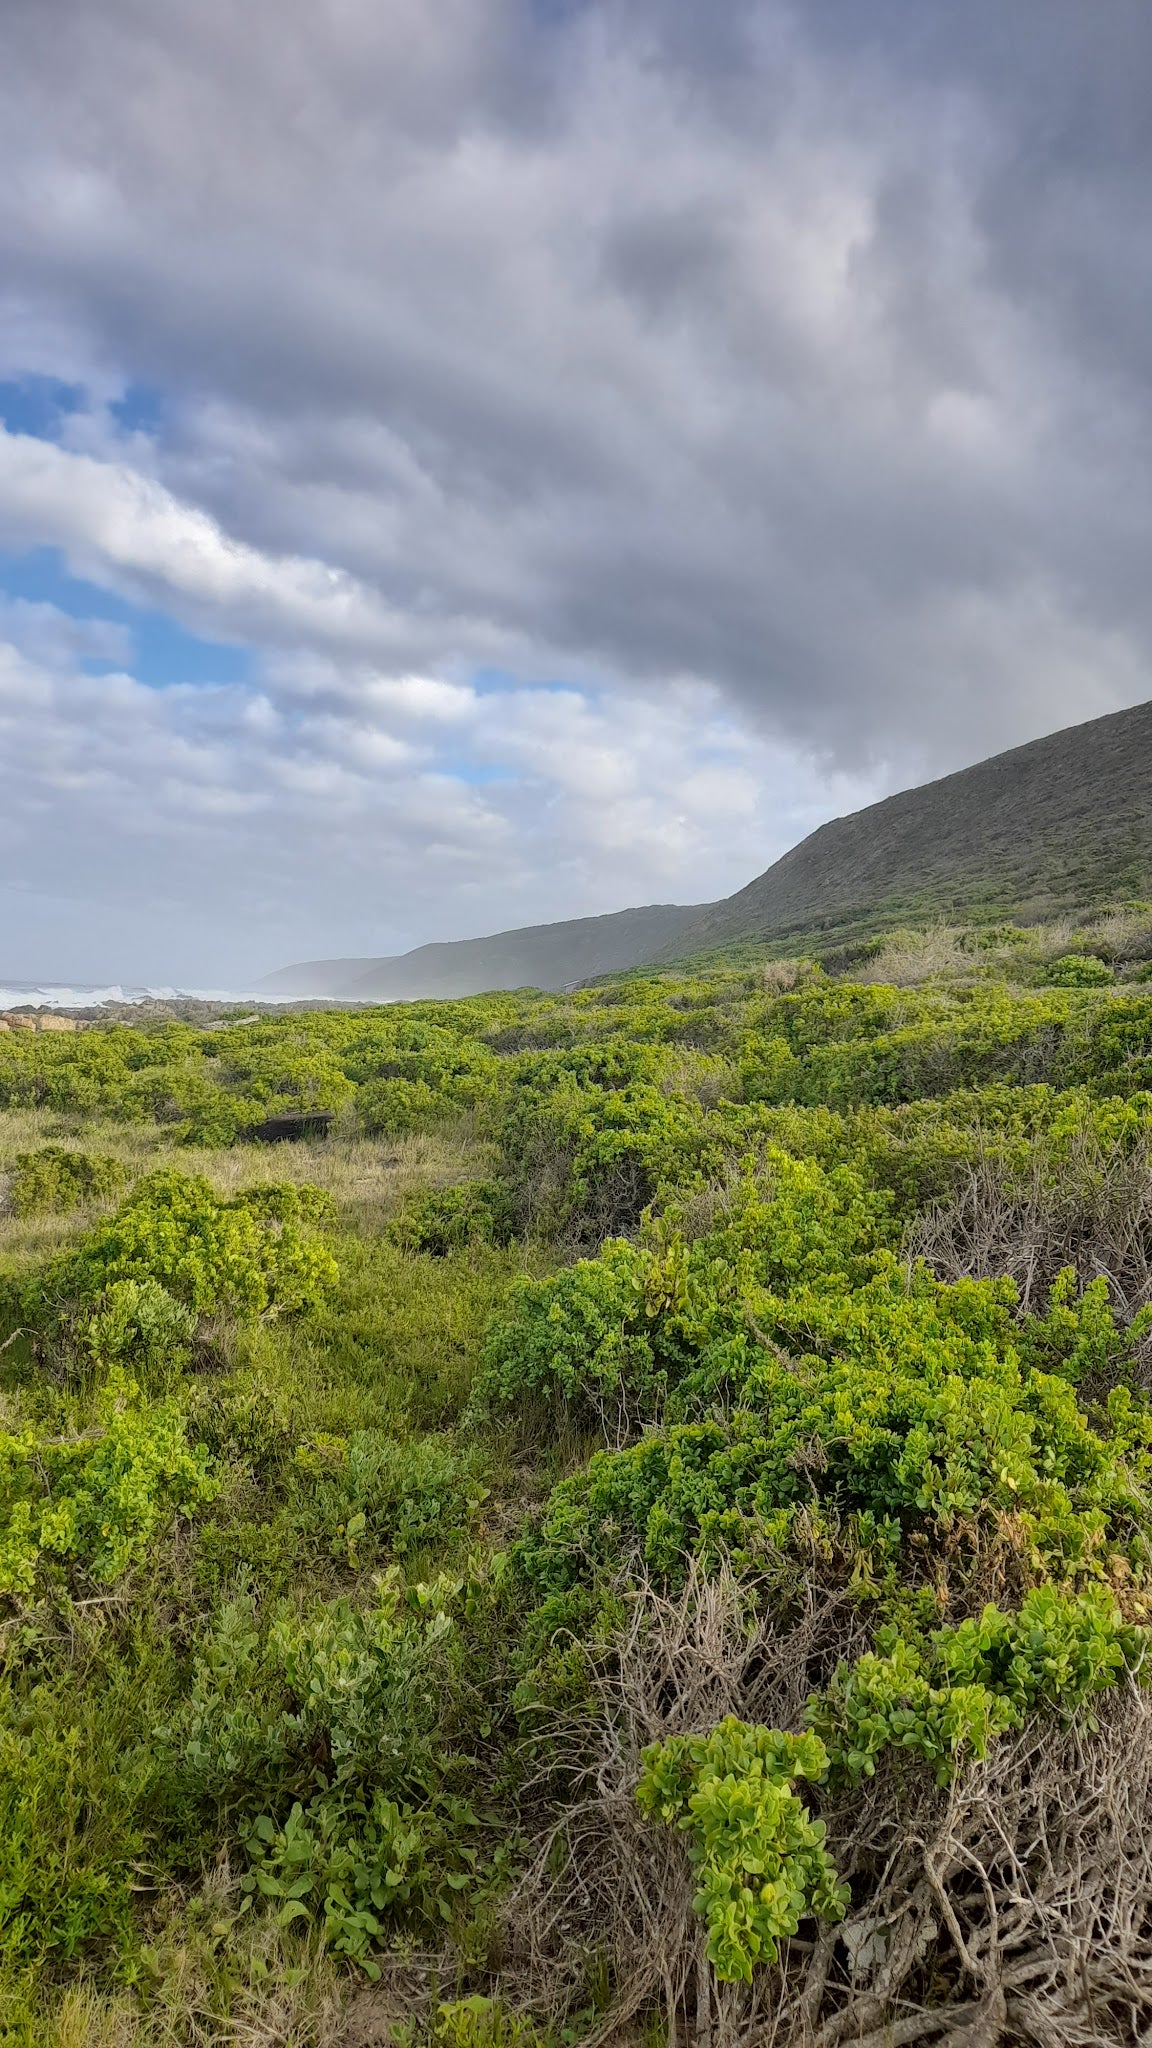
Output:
x,y
446,1219
972,1682
89,1505
628,1328
134,1288
759,1857
315,1737
55,1180
1079,970
371,1497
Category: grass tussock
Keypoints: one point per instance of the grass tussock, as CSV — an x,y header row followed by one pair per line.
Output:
x,y
907,959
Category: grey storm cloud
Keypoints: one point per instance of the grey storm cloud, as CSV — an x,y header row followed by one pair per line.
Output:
x,y
795,354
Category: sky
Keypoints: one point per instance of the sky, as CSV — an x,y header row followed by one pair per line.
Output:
x,y
468,465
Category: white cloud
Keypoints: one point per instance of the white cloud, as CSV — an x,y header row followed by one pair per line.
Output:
x,y
52,636
770,379
119,526
272,834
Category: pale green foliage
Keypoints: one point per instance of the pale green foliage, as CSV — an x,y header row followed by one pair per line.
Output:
x,y
479,2022
1079,970
759,1857
57,1179
971,1683
95,1501
137,1322
134,1288
248,1255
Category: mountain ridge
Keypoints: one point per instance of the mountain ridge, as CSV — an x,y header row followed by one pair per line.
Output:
x,y
547,956
1047,828
1055,826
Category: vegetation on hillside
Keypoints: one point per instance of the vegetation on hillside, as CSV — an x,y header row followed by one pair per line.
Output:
x,y
1047,830
646,1528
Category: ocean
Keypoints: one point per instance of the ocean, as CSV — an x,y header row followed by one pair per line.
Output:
x,y
82,995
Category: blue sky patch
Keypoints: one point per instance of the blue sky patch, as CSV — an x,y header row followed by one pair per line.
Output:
x,y
165,652
37,405
140,410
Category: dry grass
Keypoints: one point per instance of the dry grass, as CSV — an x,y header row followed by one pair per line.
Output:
x,y
779,976
368,1178
701,1077
602,1883
908,958
1091,1210
1120,935
1048,942
209,1990
947,952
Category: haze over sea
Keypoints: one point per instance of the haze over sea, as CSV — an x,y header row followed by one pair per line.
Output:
x,y
78,995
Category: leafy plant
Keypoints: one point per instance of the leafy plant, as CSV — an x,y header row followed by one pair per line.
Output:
x,y
447,1219
972,1682
374,1496
92,1503
173,1253
759,1857
317,1733
1079,970
55,1180
360,1866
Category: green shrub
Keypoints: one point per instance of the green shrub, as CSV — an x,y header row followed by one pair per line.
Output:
x,y
630,1328
361,1867
446,1219
972,1682
175,1252
1079,970
793,1362
55,1180
373,1497
759,1857
92,1503
587,1135
248,1255
314,1735
356,1686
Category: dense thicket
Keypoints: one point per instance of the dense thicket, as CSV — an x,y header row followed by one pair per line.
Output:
x,y
647,1526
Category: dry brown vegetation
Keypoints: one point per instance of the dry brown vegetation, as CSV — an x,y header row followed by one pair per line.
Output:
x,y
1013,1907
1090,1210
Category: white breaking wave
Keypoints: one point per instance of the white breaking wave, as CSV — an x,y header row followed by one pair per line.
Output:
x,y
75,995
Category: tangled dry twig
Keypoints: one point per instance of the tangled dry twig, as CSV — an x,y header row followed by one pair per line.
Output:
x,y
1092,1211
1015,1907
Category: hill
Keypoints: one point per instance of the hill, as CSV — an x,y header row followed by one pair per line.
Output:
x,y
1060,825
548,956
1063,824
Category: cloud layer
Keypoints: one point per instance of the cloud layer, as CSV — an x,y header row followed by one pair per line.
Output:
x,y
621,433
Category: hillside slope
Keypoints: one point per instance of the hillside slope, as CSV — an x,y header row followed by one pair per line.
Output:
x,y
547,956
1062,824
1059,825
